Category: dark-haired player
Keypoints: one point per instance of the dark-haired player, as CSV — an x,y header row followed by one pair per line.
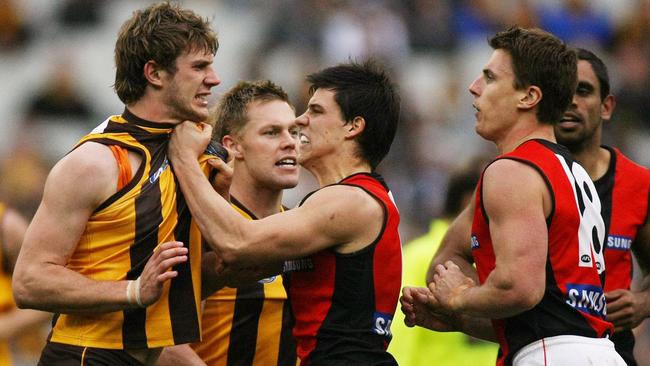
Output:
x,y
342,242
537,235
624,190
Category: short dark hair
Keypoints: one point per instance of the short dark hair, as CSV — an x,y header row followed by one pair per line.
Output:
x,y
539,58
231,113
364,90
599,69
160,32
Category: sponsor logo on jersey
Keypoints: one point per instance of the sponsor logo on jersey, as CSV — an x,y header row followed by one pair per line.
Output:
x,y
475,244
154,177
298,265
382,322
586,298
619,242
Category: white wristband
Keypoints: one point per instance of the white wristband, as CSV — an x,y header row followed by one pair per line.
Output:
x,y
138,300
129,293
133,293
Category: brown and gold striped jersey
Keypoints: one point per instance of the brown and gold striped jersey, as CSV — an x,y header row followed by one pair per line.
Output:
x,y
249,325
120,237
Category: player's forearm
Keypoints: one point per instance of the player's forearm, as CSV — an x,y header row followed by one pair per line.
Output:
x,y
496,299
481,328
643,294
219,224
461,260
455,246
57,289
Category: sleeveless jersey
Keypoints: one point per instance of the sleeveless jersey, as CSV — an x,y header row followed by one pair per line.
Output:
x,y
249,325
624,191
343,304
120,237
6,298
573,301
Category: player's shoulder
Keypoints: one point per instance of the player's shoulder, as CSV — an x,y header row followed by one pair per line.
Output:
x,y
344,198
507,178
91,167
343,194
89,157
509,170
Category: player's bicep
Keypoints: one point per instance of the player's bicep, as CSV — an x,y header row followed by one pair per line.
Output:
x,y
73,189
513,197
325,220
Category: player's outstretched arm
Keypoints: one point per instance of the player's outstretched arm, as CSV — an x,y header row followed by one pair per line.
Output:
x,y
343,216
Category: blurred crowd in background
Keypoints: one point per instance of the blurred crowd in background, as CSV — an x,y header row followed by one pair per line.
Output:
x,y
56,68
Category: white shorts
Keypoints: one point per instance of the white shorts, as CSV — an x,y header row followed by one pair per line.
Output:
x,y
568,350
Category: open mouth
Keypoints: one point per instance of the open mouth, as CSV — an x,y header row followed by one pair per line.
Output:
x,y
304,139
203,99
287,162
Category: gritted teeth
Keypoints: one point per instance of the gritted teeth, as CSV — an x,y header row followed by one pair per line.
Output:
x,y
304,139
287,161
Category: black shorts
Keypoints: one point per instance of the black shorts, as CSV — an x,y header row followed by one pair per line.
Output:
x,y
57,354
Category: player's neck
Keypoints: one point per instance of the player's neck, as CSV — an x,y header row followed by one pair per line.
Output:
x,y
594,158
523,132
259,200
151,110
337,168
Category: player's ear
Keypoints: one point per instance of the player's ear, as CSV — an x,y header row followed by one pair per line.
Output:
x,y
355,127
607,107
153,73
530,97
233,146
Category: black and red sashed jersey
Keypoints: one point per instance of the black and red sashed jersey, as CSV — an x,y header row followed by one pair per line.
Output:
x,y
573,301
343,304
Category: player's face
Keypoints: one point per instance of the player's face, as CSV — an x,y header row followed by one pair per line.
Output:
x,y
495,97
187,92
581,123
267,146
322,127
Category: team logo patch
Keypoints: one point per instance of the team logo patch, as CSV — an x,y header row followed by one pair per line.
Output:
x,y
619,242
475,244
586,298
382,322
154,177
